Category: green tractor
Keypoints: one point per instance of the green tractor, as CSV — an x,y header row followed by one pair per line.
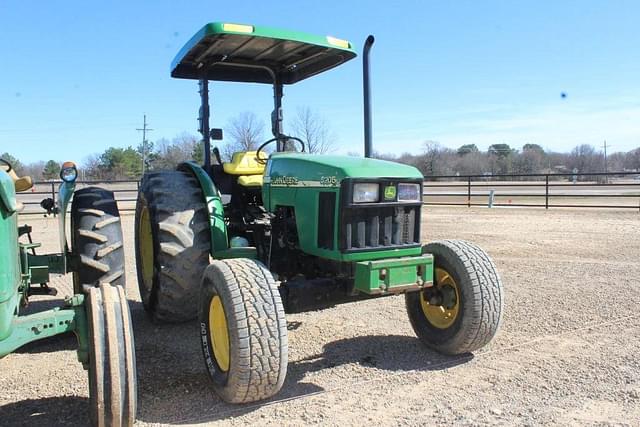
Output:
x,y
241,243
98,312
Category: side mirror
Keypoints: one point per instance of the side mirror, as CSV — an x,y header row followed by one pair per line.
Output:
x,y
216,134
69,172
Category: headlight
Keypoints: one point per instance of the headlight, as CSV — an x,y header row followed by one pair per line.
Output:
x,y
68,173
409,193
366,192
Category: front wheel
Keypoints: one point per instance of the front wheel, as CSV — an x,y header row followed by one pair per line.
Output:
x,y
243,330
462,312
112,364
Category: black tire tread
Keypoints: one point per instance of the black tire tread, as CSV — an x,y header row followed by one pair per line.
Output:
x,y
180,229
112,367
96,239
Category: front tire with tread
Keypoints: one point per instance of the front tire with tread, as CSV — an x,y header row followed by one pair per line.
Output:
x,y
112,365
481,299
256,329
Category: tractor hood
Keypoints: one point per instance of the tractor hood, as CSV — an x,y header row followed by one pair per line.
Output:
x,y
328,170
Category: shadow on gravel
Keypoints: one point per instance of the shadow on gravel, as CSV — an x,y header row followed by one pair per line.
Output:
x,y
383,352
66,341
48,411
174,387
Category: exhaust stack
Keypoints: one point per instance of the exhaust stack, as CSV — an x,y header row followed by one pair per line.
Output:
x,y
366,88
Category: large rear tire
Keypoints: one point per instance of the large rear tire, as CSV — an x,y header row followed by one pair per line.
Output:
x,y
112,364
462,312
96,239
243,330
172,244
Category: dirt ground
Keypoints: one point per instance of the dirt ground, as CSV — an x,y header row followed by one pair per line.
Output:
x,y
566,354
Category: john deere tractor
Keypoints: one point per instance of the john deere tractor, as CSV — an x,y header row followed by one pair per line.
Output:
x,y
97,313
240,243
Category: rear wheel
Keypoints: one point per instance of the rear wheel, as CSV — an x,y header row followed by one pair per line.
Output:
x,y
172,244
463,310
243,330
112,365
96,239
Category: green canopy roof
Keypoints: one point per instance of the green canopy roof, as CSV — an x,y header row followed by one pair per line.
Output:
x,y
246,53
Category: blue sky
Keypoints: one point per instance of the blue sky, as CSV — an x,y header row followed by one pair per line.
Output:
x,y
77,76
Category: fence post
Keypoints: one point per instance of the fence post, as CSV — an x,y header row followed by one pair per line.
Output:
x,y
469,191
53,196
546,192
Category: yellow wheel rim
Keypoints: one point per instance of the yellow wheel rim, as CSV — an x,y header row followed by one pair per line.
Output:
x,y
145,243
438,315
219,333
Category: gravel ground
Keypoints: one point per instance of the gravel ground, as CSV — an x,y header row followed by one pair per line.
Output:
x,y
566,353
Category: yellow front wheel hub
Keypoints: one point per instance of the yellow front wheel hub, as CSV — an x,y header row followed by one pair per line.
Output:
x,y
218,333
442,316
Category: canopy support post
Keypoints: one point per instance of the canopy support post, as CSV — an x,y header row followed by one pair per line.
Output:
x,y
276,116
203,118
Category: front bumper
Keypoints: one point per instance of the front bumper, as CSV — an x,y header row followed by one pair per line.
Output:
x,y
394,275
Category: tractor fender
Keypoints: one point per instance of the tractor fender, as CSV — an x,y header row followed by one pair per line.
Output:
x,y
9,256
213,202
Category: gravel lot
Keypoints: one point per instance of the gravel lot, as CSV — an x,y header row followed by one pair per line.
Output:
x,y
566,354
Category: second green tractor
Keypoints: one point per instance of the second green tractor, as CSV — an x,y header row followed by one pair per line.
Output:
x,y
238,244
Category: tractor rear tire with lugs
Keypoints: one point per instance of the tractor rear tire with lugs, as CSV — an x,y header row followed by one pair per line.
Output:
x,y
243,330
172,244
96,239
112,364
462,312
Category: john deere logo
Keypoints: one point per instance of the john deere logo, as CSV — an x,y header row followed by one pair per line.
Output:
x,y
390,192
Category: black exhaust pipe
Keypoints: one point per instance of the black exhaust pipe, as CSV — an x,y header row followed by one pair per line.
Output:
x,y
366,88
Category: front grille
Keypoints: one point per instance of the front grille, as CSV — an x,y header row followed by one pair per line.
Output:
x,y
326,219
384,227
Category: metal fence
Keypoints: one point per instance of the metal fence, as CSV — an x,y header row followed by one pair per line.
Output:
x,y
619,190
124,191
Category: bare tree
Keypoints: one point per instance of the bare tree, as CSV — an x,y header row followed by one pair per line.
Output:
x,y
171,154
586,159
34,170
432,157
472,163
91,167
632,160
314,130
529,160
246,132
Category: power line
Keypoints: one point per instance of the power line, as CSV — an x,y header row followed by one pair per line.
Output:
x,y
144,130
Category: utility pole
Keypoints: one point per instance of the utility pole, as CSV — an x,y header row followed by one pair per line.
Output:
x,y
144,130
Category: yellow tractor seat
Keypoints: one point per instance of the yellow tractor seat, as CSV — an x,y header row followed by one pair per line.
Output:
x,y
22,183
245,163
250,180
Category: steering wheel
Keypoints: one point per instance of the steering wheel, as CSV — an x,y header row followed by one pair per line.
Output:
x,y
283,137
8,165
